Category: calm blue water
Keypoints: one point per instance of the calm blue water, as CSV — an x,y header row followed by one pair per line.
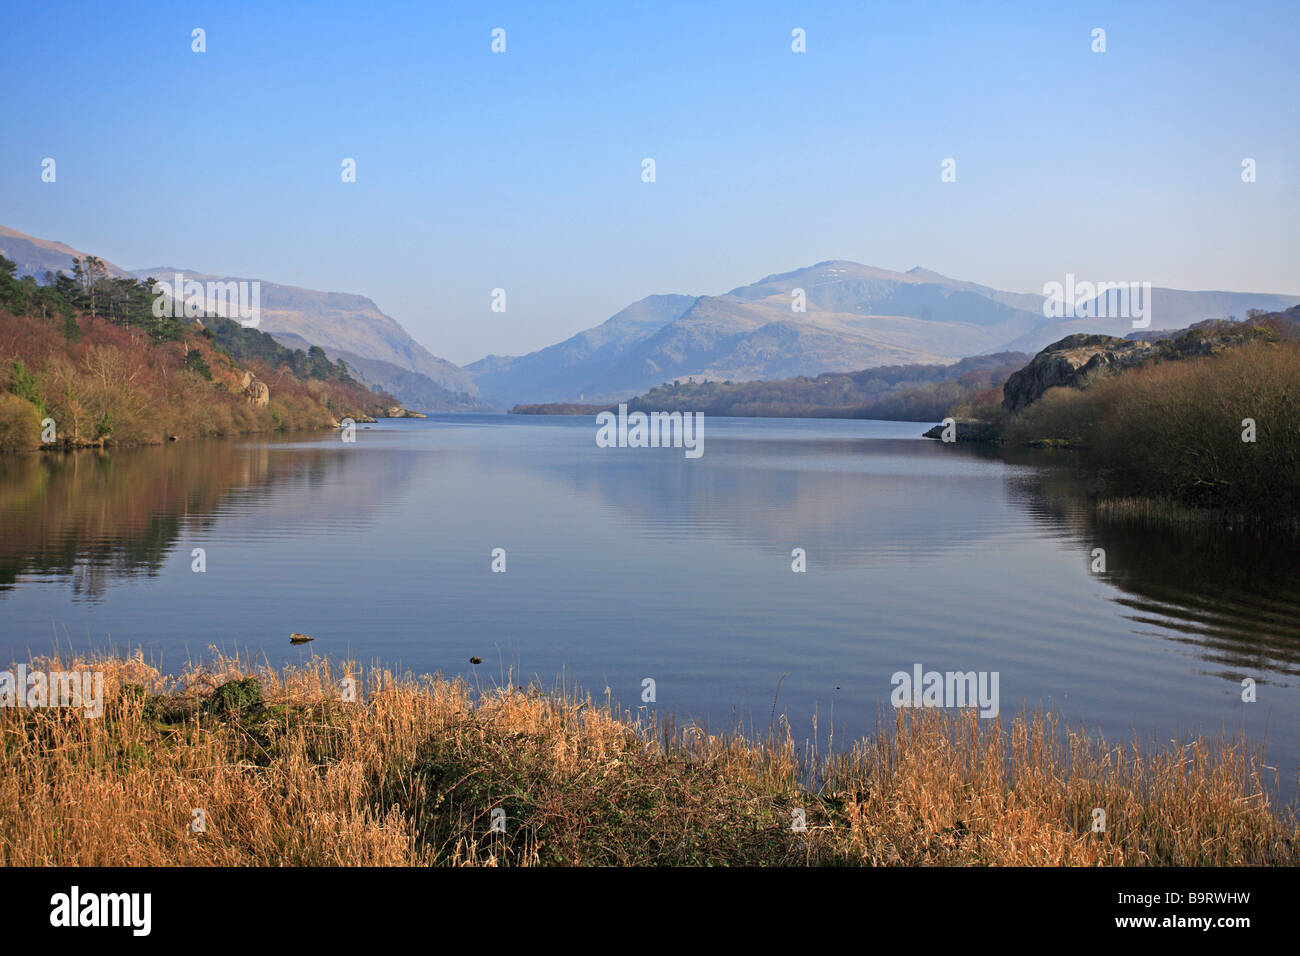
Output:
x,y
624,564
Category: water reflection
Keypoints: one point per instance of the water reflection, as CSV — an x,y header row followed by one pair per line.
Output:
x,y
96,517
93,518
851,501
1234,595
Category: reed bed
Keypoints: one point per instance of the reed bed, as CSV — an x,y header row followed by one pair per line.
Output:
x,y
1162,513
416,770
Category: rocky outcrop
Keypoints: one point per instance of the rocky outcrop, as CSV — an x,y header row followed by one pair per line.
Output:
x,y
1073,361
967,430
256,392
397,411
1076,360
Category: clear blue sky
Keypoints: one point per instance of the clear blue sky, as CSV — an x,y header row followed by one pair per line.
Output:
x,y
522,170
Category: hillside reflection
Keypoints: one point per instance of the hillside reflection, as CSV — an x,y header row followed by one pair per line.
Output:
x,y
96,517
1234,595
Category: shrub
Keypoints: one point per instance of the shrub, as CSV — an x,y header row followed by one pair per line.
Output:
x,y
20,424
236,699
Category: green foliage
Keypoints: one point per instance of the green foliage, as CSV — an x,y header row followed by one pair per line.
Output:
x,y
11,293
195,362
122,301
26,385
236,699
104,426
245,344
26,296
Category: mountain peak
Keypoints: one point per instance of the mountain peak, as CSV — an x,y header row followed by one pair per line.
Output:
x,y
35,257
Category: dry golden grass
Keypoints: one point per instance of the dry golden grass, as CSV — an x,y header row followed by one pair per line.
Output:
x,y
412,773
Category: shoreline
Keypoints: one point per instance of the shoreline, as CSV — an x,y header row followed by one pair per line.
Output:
x,y
65,447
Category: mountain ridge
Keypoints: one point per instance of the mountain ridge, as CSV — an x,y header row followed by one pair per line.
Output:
x,y
855,317
35,256
342,321
835,316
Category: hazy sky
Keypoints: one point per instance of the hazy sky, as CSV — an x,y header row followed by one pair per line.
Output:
x,y
522,170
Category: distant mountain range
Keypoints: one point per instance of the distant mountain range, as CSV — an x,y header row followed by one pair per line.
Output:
x,y
856,317
583,365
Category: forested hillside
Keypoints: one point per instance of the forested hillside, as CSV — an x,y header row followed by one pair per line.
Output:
x,y
86,354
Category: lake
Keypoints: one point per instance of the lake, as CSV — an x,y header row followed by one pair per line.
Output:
x,y
630,563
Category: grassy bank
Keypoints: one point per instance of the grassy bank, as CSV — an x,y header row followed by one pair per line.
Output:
x,y
287,772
